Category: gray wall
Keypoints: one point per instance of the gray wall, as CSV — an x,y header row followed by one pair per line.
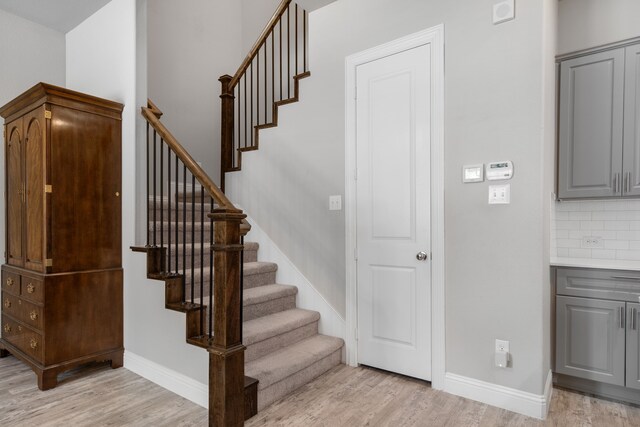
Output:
x,y
30,53
496,107
255,15
587,23
191,44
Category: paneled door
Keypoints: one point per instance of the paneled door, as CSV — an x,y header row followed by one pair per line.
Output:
x,y
393,114
15,192
631,166
633,346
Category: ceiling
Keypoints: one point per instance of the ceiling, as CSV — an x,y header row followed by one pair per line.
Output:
x,y
60,15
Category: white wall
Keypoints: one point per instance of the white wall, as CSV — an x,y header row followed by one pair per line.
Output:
x,y
497,107
191,44
30,53
255,16
101,60
588,23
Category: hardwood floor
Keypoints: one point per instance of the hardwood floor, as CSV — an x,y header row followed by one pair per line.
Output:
x,y
343,397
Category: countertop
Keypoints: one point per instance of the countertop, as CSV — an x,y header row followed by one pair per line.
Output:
x,y
611,264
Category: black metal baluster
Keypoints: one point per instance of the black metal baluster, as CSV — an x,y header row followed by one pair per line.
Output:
x,y
169,209
184,230
258,88
266,87
251,97
211,284
148,195
280,26
235,155
246,139
273,71
193,223
288,52
155,194
296,13
304,40
202,312
176,190
161,192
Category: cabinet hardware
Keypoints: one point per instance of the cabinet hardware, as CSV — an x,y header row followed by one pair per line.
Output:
x,y
626,278
628,182
9,281
48,262
33,344
48,188
7,303
33,315
30,288
7,328
19,328
634,318
47,114
621,312
616,179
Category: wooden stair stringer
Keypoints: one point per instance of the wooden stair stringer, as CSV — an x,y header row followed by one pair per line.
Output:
x,y
174,300
274,118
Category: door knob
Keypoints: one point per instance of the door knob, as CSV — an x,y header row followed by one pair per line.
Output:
x,y
422,256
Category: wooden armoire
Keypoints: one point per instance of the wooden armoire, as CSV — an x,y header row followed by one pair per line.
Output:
x,y
62,277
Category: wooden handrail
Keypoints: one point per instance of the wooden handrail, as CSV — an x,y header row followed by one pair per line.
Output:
x,y
150,113
258,44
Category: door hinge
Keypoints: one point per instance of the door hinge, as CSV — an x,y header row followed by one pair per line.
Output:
x,y
48,188
48,262
47,114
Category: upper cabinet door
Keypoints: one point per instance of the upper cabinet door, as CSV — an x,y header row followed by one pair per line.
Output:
x,y
14,192
631,170
590,121
34,182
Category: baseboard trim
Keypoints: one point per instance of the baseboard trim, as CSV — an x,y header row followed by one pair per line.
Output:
x,y
522,402
173,381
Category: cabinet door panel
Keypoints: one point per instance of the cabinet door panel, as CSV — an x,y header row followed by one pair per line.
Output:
x,y
13,159
632,122
34,184
633,346
591,118
590,339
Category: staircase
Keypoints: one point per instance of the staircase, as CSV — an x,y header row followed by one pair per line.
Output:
x,y
261,345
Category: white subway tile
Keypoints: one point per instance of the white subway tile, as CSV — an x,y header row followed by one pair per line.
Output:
x,y
616,225
634,225
616,244
568,243
576,234
634,245
579,253
628,255
628,216
591,206
568,206
617,205
628,235
608,234
603,254
604,216
592,225
580,216
562,215
563,252
563,234
567,225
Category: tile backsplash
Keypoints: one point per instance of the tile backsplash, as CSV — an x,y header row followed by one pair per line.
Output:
x,y
615,222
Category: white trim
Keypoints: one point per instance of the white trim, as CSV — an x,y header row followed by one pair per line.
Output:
x,y
167,378
548,393
522,402
331,322
435,37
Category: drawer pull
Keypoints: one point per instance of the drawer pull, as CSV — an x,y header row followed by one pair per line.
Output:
x,y
30,288
10,281
7,303
33,315
33,344
19,328
637,279
7,328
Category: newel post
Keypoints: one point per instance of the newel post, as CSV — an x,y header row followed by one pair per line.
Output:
x,y
226,355
226,142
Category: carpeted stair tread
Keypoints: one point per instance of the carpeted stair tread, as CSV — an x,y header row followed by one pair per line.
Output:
x,y
249,269
276,366
270,326
266,293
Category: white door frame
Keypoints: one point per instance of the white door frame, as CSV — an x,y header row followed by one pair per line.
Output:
x,y
435,37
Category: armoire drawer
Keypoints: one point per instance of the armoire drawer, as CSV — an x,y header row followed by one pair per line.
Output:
x,y
618,285
32,289
11,282
24,311
24,338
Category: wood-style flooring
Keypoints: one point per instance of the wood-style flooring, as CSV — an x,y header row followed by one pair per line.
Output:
x,y
100,396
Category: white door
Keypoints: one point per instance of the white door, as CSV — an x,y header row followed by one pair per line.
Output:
x,y
393,212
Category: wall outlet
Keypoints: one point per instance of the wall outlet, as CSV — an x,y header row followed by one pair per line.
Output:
x,y
502,357
502,345
592,242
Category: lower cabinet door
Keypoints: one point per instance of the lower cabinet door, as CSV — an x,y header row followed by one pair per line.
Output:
x,y
590,339
633,346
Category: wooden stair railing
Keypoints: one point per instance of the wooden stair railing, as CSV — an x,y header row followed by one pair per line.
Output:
x,y
267,78
211,297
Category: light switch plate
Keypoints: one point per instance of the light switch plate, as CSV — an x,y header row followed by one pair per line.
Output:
x,y
473,173
504,11
335,203
500,194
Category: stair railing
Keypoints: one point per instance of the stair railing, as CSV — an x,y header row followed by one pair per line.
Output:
x,y
267,78
180,195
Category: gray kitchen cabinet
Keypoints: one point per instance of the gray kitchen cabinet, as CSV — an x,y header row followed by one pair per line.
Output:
x,y
590,339
631,159
599,124
633,346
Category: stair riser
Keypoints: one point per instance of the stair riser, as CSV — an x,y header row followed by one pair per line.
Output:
x,y
167,238
268,307
278,342
255,280
282,388
197,215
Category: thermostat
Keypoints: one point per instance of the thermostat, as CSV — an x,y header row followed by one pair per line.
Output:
x,y
499,170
